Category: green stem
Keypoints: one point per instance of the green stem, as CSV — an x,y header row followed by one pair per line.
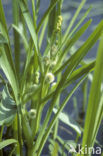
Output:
x,y
15,134
26,130
85,90
36,125
55,133
1,132
1,135
43,91
59,75
30,151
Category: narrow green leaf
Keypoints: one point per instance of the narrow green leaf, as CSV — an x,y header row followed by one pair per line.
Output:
x,y
52,20
6,65
6,61
80,72
75,28
2,39
20,32
29,22
7,142
94,112
34,14
80,21
43,32
68,121
74,19
15,12
3,21
69,44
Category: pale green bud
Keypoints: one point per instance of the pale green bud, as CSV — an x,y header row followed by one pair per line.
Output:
x,y
53,50
37,76
60,18
46,60
49,78
32,114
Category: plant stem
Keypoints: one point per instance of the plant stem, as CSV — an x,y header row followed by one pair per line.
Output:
x,y
15,134
1,135
55,133
30,151
26,130
59,75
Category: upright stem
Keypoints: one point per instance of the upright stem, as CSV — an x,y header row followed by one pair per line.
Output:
x,y
55,132
1,135
15,134
30,151
59,5
57,122
20,135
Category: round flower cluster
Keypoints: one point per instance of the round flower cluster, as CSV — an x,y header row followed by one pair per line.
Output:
x,y
49,78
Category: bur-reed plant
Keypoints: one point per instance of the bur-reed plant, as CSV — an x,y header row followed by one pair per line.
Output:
x,y
40,78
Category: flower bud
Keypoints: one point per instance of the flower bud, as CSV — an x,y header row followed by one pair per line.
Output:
x,y
60,18
37,75
54,62
58,28
46,60
53,85
49,78
32,113
53,50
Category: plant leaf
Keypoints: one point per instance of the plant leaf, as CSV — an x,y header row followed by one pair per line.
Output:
x,y
74,19
19,31
7,108
29,22
2,39
7,67
7,142
70,42
68,121
95,103
6,60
